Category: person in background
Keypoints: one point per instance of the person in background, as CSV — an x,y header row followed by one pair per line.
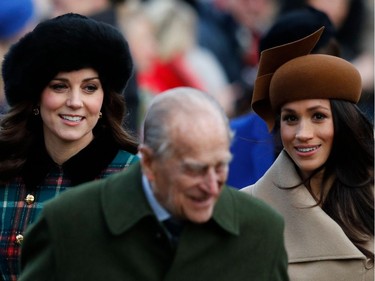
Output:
x,y
215,31
168,217
323,180
254,148
347,16
231,30
180,60
16,18
298,23
140,35
63,83
161,36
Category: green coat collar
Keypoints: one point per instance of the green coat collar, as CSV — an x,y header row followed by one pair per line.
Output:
x,y
124,203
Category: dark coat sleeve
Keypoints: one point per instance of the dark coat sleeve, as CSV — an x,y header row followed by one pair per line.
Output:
x,y
279,271
263,232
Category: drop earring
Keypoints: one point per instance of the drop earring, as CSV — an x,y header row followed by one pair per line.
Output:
x,y
100,115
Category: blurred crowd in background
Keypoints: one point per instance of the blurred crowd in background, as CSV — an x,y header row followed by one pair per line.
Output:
x,y
214,46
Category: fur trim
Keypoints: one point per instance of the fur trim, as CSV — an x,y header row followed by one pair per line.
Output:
x,y
85,166
65,43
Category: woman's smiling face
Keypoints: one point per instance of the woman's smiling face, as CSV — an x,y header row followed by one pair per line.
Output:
x,y
307,133
70,106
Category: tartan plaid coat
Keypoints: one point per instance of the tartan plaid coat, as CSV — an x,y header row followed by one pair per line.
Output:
x,y
22,198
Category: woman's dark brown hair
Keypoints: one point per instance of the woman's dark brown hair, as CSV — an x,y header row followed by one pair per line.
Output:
x,y
350,201
20,130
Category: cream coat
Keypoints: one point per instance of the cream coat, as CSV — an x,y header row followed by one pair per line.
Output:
x,y
318,249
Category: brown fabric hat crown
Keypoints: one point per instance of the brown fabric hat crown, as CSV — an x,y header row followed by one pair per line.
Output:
x,y
289,73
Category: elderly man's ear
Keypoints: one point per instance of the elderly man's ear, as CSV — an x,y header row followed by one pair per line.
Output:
x,y
147,161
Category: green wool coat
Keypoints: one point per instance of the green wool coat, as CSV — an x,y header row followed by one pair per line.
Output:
x,y
106,230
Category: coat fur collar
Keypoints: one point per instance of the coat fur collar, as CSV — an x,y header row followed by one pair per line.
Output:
x,y
86,165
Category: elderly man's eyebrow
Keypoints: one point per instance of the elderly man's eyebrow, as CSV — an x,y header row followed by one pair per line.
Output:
x,y
191,165
199,165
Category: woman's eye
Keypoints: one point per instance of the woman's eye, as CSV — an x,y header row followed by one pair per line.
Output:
x,y
289,118
58,87
319,116
90,88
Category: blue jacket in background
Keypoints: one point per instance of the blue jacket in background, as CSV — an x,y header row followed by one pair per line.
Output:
x,y
252,148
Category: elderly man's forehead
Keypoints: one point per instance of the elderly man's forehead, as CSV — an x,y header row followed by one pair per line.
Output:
x,y
199,119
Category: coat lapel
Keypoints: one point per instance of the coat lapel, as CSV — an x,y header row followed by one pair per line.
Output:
x,y
123,200
310,234
224,213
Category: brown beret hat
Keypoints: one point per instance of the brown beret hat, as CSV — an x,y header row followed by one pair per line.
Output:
x,y
288,73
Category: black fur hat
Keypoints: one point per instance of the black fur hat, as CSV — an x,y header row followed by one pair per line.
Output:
x,y
65,43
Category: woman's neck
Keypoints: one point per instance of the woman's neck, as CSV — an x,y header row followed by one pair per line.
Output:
x,y
61,151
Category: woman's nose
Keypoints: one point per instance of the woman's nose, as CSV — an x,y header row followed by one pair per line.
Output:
x,y
74,100
304,131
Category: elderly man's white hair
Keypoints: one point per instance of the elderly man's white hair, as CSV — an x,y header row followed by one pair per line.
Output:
x,y
176,107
